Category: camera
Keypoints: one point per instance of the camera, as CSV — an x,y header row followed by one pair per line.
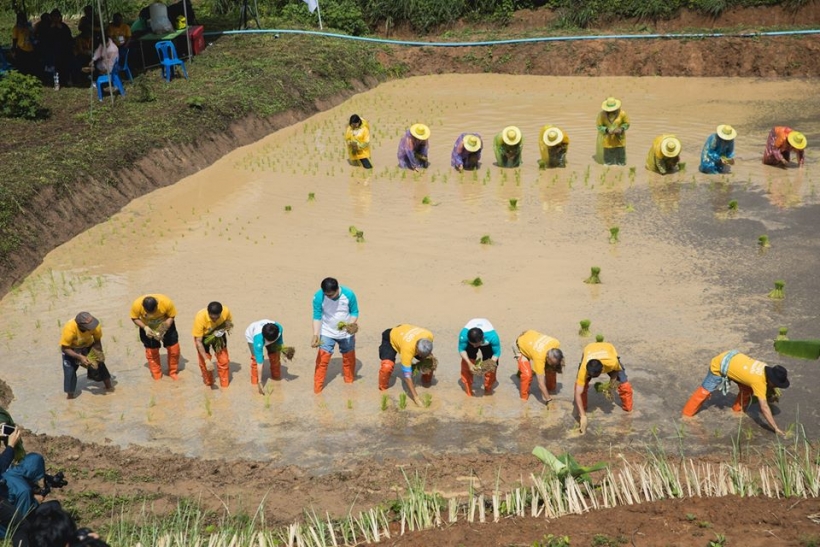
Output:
x,y
50,482
5,431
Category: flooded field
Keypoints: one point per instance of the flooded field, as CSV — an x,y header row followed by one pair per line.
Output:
x,y
686,281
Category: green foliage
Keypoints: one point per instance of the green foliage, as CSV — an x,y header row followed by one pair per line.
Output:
x,y
344,15
21,96
197,102
145,91
565,465
719,541
551,540
802,349
422,15
712,8
603,540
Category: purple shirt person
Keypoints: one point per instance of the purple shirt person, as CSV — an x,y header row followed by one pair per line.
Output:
x,y
413,147
466,152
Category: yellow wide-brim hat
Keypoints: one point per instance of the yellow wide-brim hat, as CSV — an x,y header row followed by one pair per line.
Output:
x,y
797,140
420,131
726,132
511,135
553,136
472,143
611,104
670,147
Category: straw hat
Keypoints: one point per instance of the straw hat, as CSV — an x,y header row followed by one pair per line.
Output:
x,y
726,132
611,104
797,140
511,135
420,131
670,147
472,143
553,136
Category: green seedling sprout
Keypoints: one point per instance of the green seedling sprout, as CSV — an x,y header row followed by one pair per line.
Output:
x,y
733,205
682,166
782,333
513,204
426,200
311,196
613,234
599,338
426,400
402,401
353,230
485,240
360,237
763,241
477,282
288,208
385,402
585,323
778,293
593,279
350,404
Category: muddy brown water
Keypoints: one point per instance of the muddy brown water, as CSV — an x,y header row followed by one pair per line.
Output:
x,y
686,281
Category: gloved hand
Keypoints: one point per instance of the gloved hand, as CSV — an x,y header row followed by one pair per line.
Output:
x,y
314,341
583,424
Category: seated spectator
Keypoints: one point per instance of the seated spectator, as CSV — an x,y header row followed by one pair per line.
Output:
x,y
18,480
104,60
60,44
83,46
89,23
118,31
22,45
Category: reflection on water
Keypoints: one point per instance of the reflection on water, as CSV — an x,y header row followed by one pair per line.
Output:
x,y
685,281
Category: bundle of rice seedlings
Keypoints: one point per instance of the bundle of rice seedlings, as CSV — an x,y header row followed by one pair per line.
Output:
x,y
353,230
778,293
483,366
733,205
359,237
351,328
599,337
477,282
311,196
613,234
485,240
681,166
426,400
608,389
288,208
287,351
425,366
593,279
94,358
513,204
385,402
402,401
426,200
217,338
763,241
781,335
585,323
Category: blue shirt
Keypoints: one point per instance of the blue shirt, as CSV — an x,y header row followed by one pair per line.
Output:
x,y
253,334
490,336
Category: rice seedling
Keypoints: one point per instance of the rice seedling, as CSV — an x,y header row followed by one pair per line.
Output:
x,y
350,404
288,208
682,166
37,324
782,333
778,292
599,338
311,196
385,402
476,282
208,410
607,389
426,200
613,234
513,204
485,240
733,205
402,401
426,400
359,237
763,241
584,331
594,278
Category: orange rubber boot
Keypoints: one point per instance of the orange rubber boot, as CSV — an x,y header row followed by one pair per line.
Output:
x,y
349,366
152,356
427,379
625,393
695,401
489,382
322,361
173,361
744,398
525,369
207,375
254,370
385,372
551,379
467,377
223,367
275,365
584,396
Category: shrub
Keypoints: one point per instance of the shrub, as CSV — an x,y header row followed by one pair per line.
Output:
x,y
21,96
344,15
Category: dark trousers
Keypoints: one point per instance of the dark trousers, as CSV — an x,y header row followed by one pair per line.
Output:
x,y
171,338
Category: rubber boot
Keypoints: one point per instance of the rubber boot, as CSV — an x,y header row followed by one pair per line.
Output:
x,y
349,366
467,377
525,369
275,365
152,355
255,370
625,393
695,401
551,379
322,361
744,398
585,396
173,361
207,375
385,372
427,379
489,382
223,367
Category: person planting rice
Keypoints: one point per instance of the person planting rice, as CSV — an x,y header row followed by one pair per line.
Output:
x,y
335,316
155,314
664,155
266,334
508,146
414,147
466,152
553,145
357,140
612,123
598,358
409,342
479,335
211,328
781,143
81,345
753,377
718,154
538,354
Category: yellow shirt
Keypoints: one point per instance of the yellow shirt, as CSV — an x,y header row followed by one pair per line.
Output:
x,y
120,34
165,309
619,121
358,141
203,326
23,37
744,370
74,338
602,351
656,161
534,346
542,146
404,339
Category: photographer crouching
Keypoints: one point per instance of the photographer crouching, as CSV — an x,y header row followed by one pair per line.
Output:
x,y
19,475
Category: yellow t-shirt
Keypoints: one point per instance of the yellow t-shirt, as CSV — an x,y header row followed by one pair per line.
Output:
x,y
656,157
744,370
23,37
542,146
72,337
120,34
165,309
203,326
404,339
602,351
534,346
611,140
361,138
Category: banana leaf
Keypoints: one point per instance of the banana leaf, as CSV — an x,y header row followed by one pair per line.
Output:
x,y
565,464
802,349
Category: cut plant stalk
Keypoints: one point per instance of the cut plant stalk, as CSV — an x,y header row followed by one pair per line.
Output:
x,y
594,278
585,323
778,293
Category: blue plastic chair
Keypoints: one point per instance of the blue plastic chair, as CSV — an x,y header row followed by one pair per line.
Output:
x,y
114,80
123,65
4,65
168,59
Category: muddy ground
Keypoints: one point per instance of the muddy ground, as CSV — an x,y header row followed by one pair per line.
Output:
x,y
132,475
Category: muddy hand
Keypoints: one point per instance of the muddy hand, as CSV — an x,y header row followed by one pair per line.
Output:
x,y
583,425
314,341
260,389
